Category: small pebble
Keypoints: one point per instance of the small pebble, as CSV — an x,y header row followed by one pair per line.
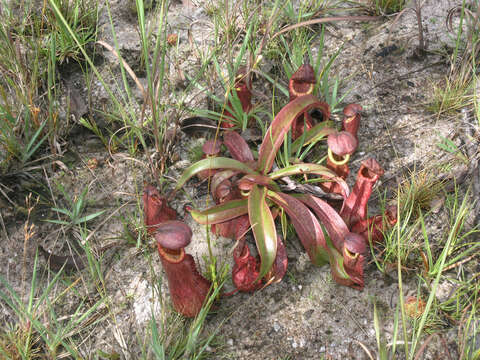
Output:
x,y
444,290
276,327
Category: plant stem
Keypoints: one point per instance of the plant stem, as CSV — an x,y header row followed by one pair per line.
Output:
x,y
418,11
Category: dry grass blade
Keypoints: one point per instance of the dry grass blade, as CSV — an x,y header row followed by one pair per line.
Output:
x,y
417,9
418,12
5,194
457,10
467,259
325,20
4,229
126,66
365,349
423,347
445,346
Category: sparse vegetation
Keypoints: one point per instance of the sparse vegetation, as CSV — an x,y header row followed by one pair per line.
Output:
x,y
417,192
458,90
387,7
72,90
33,43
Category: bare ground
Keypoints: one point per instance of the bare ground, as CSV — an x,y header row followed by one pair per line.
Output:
x,y
307,315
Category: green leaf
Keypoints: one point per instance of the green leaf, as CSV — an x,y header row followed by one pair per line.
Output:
x,y
336,264
210,164
300,169
243,49
79,203
280,126
447,145
89,217
31,147
313,135
263,227
307,168
221,213
275,83
63,211
60,222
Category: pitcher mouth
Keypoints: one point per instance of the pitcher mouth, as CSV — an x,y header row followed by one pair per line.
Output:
x,y
172,256
303,90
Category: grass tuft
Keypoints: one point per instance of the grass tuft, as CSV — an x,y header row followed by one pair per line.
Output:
x,y
416,193
387,7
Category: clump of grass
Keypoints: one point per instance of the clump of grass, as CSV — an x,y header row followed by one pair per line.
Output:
x,y
35,329
173,337
441,255
416,193
458,89
31,47
452,94
148,118
74,210
195,153
38,331
18,342
414,197
454,247
82,18
387,7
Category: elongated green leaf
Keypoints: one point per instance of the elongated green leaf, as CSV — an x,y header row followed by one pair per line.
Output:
x,y
263,227
60,222
331,220
306,225
89,217
31,147
307,168
221,213
336,264
280,126
63,211
210,164
78,205
243,49
300,169
316,133
274,82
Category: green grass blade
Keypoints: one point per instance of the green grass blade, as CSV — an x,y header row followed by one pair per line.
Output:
x,y
453,234
89,217
32,146
63,211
